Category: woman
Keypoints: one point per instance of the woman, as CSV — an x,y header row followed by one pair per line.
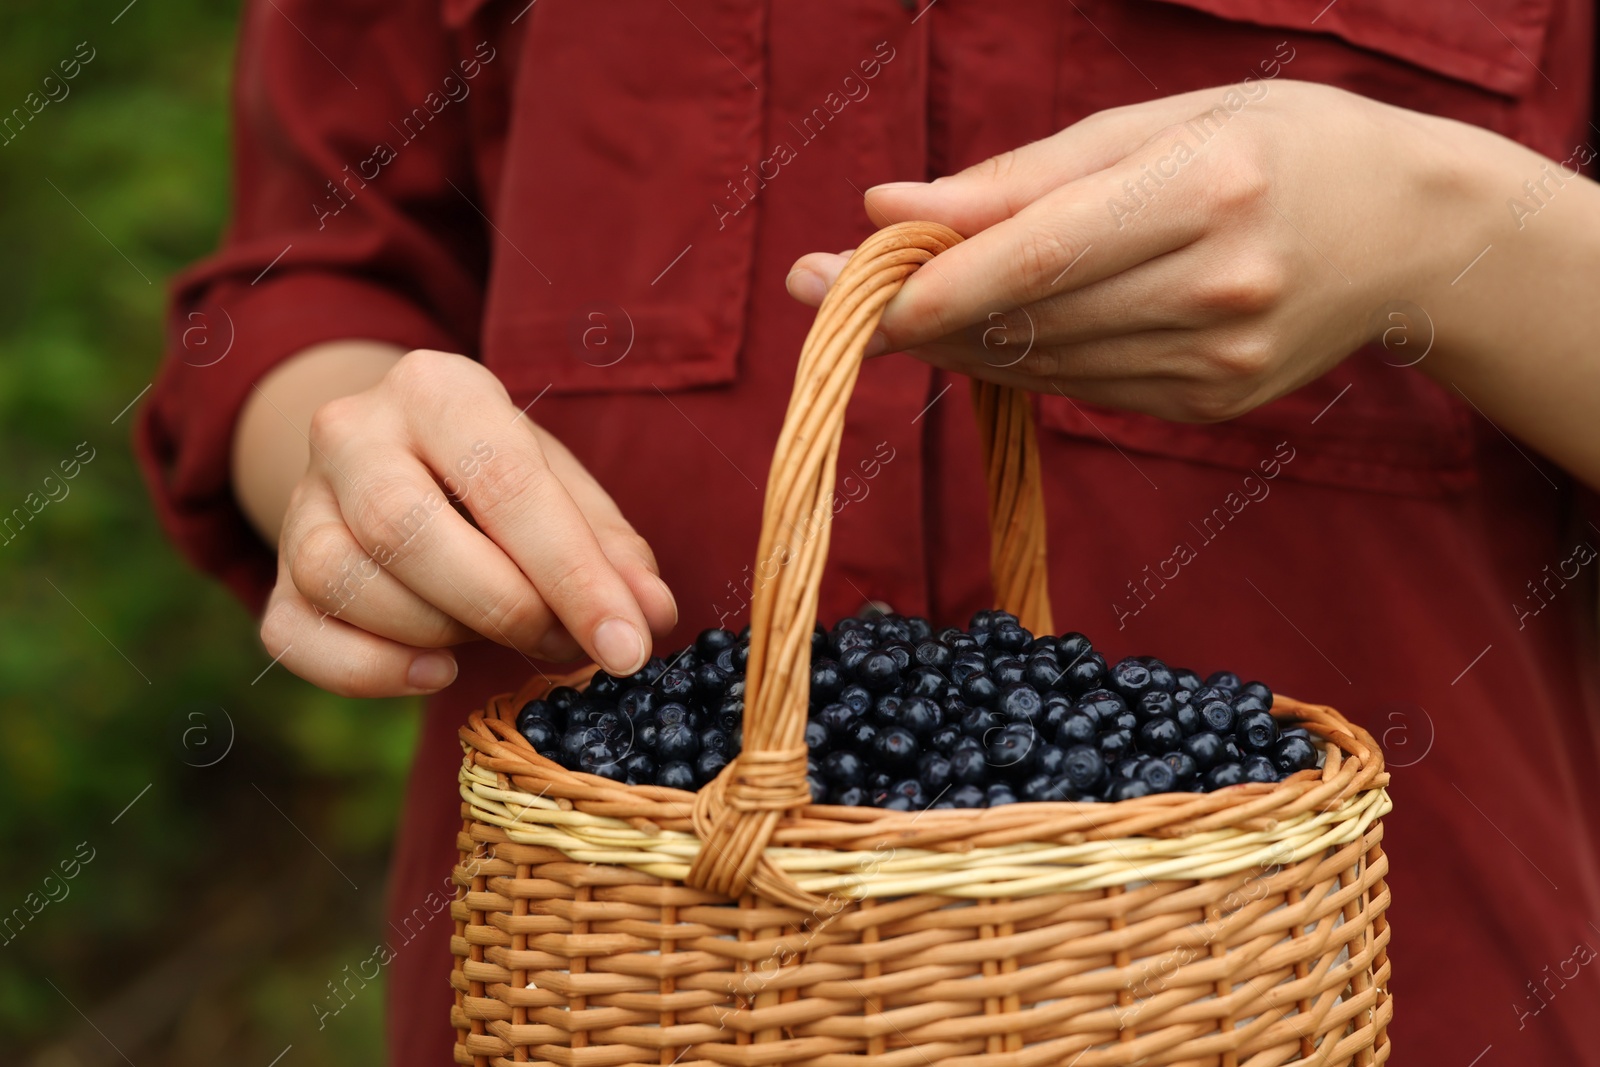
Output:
x,y
1305,295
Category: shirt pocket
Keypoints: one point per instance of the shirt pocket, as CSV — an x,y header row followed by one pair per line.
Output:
x,y
1366,425
1492,44
613,268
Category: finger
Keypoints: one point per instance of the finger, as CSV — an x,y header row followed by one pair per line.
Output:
x,y
623,546
1187,387
344,659
1066,240
522,505
402,519
999,187
333,574
1198,286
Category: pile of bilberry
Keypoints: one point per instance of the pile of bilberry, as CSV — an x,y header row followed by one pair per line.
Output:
x,y
905,718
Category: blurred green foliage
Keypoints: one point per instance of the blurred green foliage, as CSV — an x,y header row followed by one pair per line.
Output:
x,y
206,924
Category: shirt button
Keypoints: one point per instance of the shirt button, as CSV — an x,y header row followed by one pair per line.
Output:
x,y
909,5
874,608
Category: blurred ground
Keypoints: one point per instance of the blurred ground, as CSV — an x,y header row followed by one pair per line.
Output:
x,y
187,857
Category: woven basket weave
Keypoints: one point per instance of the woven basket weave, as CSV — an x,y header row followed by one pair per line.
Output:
x,y
601,924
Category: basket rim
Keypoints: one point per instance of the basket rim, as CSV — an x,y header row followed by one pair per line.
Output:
x,y
1353,766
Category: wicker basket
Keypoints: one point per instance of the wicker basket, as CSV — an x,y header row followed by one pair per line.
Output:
x,y
600,924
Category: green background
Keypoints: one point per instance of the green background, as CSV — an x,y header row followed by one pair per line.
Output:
x,y
207,924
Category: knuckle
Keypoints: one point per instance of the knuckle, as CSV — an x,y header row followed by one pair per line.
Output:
x,y
334,421
277,628
388,512
997,168
1252,287
1236,185
1242,360
512,476
520,613
426,374
317,553
1041,257
625,541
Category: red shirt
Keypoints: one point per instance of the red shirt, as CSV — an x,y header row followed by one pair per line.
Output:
x,y
600,201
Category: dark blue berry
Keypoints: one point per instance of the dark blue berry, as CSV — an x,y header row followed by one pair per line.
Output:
x,y
1184,768
1216,715
1245,703
1130,678
1259,769
843,768
1225,680
538,709
965,665
1115,744
1162,677
1075,729
1187,680
979,721
934,770
1103,704
945,737
562,697
640,768
679,775
827,680
852,796
1158,775
1160,736
925,682
1260,692
1223,775
1127,789
878,672
1020,703
677,742
676,684
708,765
967,796
1188,719
1049,759
895,747
1011,749
1256,731
1154,702
921,716
860,735
541,734
856,697
638,702
969,766
710,642
1000,793
1086,673
838,718
1083,767
1291,754
1205,748
979,689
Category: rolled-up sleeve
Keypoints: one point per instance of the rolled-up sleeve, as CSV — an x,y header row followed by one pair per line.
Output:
x,y
354,216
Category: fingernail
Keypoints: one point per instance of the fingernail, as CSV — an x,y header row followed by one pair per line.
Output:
x,y
670,600
431,671
619,646
806,287
896,187
877,344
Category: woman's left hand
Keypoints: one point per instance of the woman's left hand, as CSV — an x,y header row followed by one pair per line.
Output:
x,y
1192,257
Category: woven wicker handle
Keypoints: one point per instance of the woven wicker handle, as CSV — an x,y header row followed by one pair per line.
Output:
x,y
736,813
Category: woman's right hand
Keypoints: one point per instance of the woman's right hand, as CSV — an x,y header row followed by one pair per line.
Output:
x,y
434,512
